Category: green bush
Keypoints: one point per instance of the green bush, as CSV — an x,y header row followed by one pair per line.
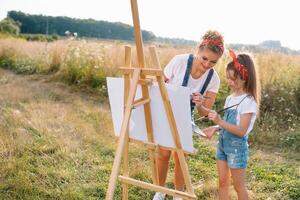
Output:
x,y
85,69
278,123
7,58
9,26
39,37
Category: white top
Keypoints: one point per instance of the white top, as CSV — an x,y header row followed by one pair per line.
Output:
x,y
175,71
248,105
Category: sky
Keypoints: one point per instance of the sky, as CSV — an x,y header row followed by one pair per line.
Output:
x,y
240,21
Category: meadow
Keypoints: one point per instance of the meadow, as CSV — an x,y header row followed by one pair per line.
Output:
x,y
56,137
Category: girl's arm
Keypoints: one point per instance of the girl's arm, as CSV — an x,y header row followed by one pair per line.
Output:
x,y
238,130
204,105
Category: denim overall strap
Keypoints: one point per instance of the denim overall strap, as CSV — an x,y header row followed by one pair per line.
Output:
x,y
187,76
188,70
209,76
230,116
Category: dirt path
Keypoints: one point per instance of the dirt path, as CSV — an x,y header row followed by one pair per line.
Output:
x,y
51,106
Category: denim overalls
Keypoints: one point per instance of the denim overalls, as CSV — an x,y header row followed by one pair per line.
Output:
x,y
232,148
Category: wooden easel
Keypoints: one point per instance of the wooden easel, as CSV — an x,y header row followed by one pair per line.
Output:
x,y
134,76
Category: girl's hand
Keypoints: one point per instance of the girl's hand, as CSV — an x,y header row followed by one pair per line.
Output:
x,y
213,116
197,98
210,131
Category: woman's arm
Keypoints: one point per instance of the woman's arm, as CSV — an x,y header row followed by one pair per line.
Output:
x,y
238,130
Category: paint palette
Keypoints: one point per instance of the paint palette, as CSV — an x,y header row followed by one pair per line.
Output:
x,y
197,130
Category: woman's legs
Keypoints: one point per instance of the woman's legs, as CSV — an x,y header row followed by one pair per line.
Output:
x,y
163,165
224,179
178,176
162,161
239,183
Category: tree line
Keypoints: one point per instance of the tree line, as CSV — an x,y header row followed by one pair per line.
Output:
x,y
41,27
40,24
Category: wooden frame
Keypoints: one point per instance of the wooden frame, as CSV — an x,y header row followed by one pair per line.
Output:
x,y
134,76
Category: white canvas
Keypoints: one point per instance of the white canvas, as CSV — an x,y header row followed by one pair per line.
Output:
x,y
180,102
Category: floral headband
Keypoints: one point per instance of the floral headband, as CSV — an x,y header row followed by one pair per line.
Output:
x,y
218,43
238,66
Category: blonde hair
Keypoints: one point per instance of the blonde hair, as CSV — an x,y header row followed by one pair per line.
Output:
x,y
212,40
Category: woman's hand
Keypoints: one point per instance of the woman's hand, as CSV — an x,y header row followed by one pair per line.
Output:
x,y
197,98
213,116
210,131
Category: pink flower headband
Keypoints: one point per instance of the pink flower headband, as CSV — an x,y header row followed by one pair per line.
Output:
x,y
218,43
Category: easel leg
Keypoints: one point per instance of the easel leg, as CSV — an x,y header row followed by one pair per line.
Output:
x,y
126,148
153,154
148,120
171,120
123,136
185,172
125,169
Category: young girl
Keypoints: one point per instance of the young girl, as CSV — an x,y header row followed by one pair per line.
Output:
x,y
238,121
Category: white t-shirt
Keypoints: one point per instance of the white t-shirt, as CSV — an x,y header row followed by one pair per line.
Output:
x,y
248,105
175,71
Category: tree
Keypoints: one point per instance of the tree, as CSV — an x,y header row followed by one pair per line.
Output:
x,y
10,26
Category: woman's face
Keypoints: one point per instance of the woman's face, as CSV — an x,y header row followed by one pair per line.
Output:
x,y
235,83
207,59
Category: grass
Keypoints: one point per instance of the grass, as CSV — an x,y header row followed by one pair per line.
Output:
x,y
56,140
49,150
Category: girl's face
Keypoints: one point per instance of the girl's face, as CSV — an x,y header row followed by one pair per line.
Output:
x,y
207,59
235,83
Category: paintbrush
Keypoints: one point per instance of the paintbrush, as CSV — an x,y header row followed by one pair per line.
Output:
x,y
203,117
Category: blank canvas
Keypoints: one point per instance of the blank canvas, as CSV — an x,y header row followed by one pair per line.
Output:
x,y
180,102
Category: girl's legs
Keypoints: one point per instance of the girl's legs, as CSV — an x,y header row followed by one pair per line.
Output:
x,y
162,161
239,183
178,176
224,179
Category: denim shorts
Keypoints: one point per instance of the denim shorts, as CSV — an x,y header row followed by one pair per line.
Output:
x,y
232,149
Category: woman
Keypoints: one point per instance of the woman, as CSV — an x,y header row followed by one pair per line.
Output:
x,y
195,72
